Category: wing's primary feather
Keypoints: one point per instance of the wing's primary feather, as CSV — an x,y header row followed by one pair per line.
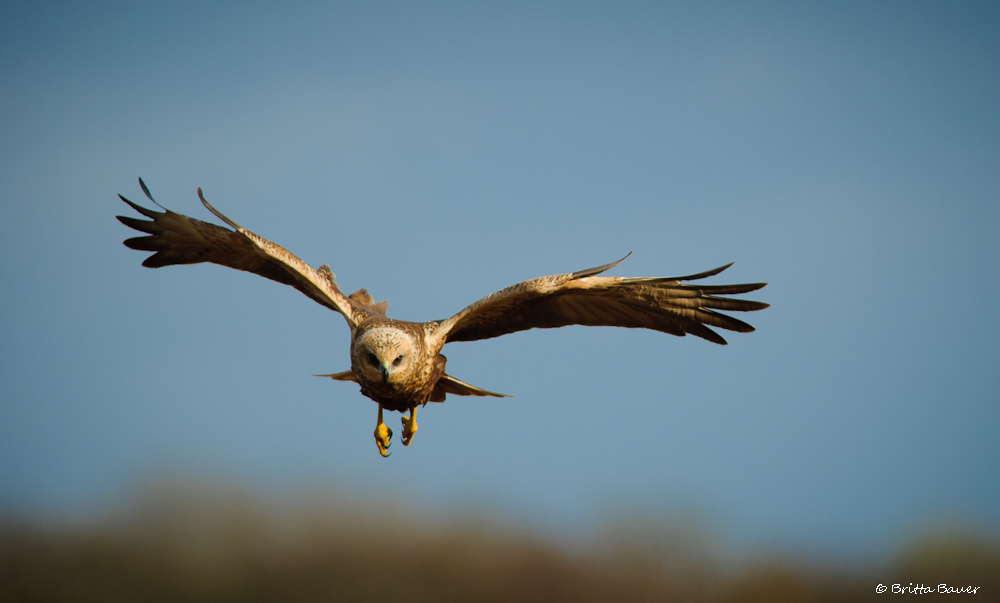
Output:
x,y
581,298
179,239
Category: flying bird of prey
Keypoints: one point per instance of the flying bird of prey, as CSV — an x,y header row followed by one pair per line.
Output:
x,y
398,364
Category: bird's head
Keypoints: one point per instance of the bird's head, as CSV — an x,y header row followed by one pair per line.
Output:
x,y
384,354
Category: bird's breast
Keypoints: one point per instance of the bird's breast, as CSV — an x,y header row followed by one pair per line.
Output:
x,y
398,395
404,392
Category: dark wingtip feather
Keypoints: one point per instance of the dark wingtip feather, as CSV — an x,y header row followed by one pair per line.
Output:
x,y
146,190
755,286
217,213
140,225
158,260
699,330
142,210
750,306
149,196
144,243
701,275
598,269
728,289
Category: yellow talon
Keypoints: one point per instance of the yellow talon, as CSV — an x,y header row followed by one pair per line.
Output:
x,y
383,435
409,426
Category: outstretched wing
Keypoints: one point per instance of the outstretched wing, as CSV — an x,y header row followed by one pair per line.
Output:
x,y
581,298
179,239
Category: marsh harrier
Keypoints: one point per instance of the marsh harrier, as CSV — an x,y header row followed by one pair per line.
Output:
x,y
398,364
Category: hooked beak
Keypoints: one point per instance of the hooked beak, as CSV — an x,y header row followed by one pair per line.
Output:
x,y
384,369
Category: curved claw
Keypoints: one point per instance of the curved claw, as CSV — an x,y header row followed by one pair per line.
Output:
x,y
383,439
409,427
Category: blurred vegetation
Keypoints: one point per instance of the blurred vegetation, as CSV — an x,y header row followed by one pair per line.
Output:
x,y
182,544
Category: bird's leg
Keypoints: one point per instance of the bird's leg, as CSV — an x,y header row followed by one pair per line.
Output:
x,y
383,435
409,426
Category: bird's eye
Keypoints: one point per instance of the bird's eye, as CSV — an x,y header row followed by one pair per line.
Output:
x,y
373,358
397,360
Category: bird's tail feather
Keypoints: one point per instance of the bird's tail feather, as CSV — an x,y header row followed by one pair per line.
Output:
x,y
450,385
345,376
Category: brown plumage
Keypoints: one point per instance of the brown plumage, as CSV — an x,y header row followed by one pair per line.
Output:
x,y
397,363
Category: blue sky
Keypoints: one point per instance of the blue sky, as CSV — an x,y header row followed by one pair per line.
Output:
x,y
846,153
